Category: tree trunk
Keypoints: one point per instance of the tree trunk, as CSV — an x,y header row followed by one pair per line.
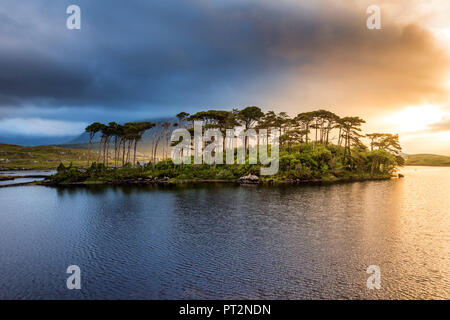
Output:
x,y
317,127
123,151
340,137
105,141
99,150
107,151
89,149
128,151
307,128
156,147
134,155
115,151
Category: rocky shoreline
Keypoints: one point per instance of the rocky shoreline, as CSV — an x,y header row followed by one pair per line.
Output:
x,y
245,180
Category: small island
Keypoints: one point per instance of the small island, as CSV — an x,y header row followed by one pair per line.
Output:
x,y
308,151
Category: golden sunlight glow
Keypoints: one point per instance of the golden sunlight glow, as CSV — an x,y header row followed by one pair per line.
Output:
x,y
447,83
442,35
414,119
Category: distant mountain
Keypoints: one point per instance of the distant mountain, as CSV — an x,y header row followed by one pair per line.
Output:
x,y
29,140
427,160
82,140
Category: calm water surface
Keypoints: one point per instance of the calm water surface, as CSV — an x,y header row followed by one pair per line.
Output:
x,y
229,242
19,180
27,172
24,173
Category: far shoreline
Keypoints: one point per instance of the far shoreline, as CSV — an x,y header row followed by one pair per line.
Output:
x,y
427,165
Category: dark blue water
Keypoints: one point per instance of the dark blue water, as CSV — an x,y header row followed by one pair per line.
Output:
x,y
227,241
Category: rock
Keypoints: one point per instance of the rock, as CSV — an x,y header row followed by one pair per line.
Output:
x,y
248,179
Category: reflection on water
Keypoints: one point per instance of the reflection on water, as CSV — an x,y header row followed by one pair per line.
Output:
x,y
226,241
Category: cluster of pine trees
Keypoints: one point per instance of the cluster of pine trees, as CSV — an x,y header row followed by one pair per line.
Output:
x,y
123,139
315,128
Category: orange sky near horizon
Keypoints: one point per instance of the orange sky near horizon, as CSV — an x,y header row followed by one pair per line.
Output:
x,y
155,60
396,78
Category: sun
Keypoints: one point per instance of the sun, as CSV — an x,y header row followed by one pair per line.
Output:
x,y
415,118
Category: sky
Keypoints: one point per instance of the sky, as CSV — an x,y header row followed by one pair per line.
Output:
x,y
135,60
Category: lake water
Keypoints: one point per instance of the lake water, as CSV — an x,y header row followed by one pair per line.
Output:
x,y
19,180
24,173
27,172
229,242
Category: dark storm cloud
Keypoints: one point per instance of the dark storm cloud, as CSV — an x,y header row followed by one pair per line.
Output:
x,y
140,59
147,53
130,53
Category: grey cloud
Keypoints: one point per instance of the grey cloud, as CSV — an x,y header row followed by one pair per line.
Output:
x,y
155,58
143,53
440,126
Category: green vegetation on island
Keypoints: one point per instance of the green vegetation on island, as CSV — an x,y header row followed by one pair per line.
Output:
x,y
317,145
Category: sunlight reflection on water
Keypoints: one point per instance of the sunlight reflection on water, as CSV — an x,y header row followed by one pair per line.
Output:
x,y
226,241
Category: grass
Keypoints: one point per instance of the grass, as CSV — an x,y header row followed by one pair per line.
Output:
x,y
49,157
304,162
427,160
301,163
41,157
164,172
